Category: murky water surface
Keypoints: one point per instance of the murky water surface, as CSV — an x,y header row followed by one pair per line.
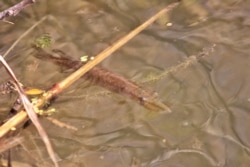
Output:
x,y
209,96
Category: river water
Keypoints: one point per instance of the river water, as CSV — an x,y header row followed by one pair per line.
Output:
x,y
196,58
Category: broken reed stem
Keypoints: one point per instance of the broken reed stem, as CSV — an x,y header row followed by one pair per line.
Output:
x,y
22,115
14,10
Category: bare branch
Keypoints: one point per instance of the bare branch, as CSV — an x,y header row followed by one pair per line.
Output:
x,y
14,10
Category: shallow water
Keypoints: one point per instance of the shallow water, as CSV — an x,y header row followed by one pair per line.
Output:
x,y
209,96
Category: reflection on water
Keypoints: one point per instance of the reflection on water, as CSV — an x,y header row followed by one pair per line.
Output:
x,y
209,96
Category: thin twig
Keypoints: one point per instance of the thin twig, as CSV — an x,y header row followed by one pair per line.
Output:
x,y
14,10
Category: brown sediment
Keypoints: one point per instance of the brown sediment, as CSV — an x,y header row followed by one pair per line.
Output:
x,y
108,80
